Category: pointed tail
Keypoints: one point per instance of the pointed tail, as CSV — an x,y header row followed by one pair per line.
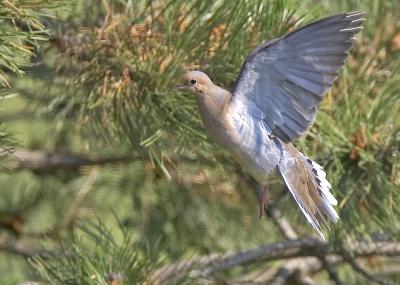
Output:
x,y
309,187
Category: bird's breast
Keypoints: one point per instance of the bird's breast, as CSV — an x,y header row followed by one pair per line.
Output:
x,y
253,149
247,140
219,130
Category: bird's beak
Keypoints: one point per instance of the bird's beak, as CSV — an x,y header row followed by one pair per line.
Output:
x,y
181,87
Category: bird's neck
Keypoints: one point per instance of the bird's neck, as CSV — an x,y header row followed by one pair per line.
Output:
x,y
213,106
214,101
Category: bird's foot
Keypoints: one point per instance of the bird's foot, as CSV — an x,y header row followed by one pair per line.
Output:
x,y
263,200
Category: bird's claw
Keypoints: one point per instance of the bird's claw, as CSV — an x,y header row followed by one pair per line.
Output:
x,y
263,201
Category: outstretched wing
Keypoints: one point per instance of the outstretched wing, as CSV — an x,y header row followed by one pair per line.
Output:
x,y
283,81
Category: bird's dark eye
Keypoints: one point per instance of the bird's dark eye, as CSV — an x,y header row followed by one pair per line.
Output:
x,y
193,81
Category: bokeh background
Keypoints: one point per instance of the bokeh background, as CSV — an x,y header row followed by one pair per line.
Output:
x,y
108,177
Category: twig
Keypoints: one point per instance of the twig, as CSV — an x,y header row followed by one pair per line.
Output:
x,y
286,249
80,196
283,274
283,224
306,280
331,271
207,265
313,266
297,268
308,256
43,162
17,247
298,265
280,221
357,267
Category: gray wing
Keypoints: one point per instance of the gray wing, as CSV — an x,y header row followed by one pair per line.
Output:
x,y
283,81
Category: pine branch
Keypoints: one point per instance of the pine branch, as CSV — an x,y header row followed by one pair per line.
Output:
x,y
207,265
17,247
299,268
95,255
296,269
44,162
117,70
20,32
283,224
358,268
332,273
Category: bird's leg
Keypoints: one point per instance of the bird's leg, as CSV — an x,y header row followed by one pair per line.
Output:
x,y
263,200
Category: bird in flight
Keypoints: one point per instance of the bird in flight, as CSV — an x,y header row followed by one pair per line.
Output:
x,y
273,102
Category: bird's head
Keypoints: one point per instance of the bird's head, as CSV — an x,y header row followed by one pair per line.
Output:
x,y
197,82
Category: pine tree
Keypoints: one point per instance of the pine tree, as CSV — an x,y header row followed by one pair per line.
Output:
x,y
113,180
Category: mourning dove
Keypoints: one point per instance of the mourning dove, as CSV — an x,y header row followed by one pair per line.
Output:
x,y
273,102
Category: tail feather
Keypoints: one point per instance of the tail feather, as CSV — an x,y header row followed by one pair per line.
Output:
x,y
320,177
306,181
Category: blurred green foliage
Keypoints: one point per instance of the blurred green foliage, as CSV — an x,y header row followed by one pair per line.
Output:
x,y
78,265
102,86
118,77
20,33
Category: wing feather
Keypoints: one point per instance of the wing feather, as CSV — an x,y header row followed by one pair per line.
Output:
x,y
286,78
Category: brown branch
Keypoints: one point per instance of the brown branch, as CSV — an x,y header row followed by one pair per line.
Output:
x,y
302,279
84,190
388,270
358,268
296,268
333,275
207,265
313,266
280,221
40,161
285,249
17,116
43,162
283,224
17,247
